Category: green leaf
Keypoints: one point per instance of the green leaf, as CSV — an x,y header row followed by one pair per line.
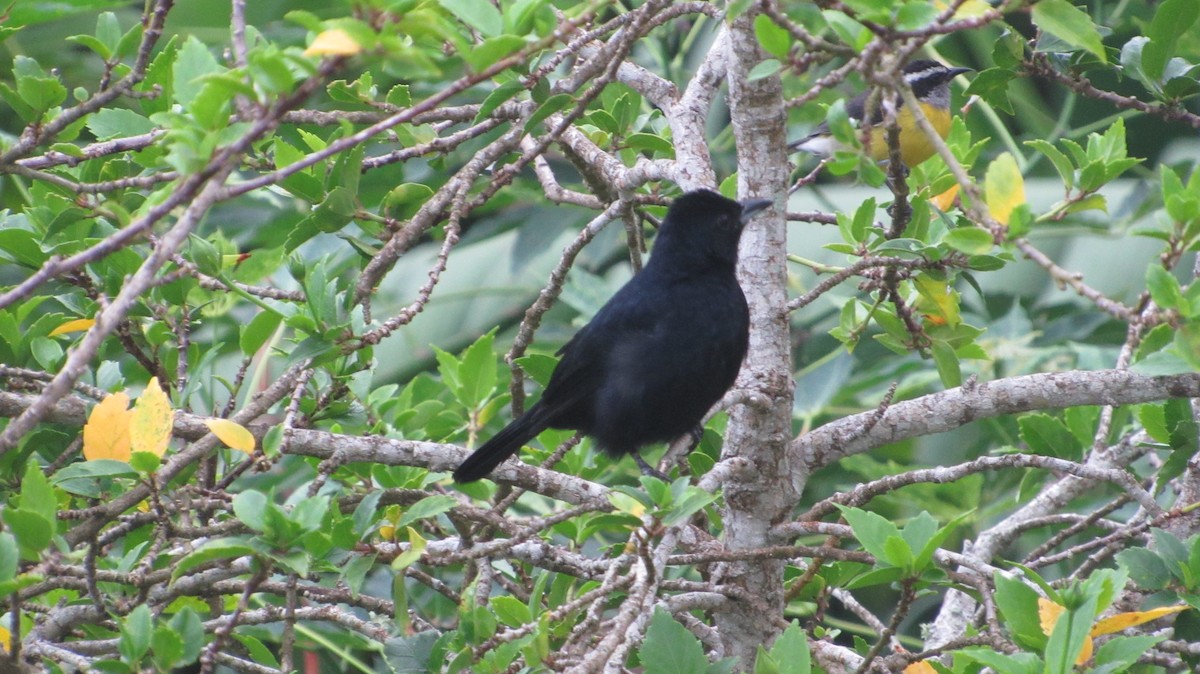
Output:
x,y
1048,436
764,69
492,50
916,14
37,495
669,648
773,37
21,246
250,507
118,122
32,531
649,142
191,65
256,333
221,548
1070,24
477,373
1172,20
791,651
686,501
36,88
1121,652
1066,170
1164,288
309,513
478,14
970,240
258,652
430,506
136,632
188,626
1145,568
555,103
1068,637
166,646
89,41
511,611
871,530
9,556
1020,663
992,86
84,478
1018,607
948,367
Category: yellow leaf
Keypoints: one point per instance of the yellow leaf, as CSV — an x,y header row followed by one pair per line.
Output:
x,y
152,421
967,10
1085,653
945,200
938,301
77,325
416,546
5,640
333,42
1122,621
106,433
1004,188
1048,614
232,434
626,504
920,667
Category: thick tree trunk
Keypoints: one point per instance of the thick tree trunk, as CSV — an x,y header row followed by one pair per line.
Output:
x,y
759,432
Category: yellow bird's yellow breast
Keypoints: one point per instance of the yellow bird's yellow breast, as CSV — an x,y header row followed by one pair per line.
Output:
x,y
914,144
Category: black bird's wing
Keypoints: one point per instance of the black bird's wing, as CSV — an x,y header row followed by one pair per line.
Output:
x,y
652,362
583,368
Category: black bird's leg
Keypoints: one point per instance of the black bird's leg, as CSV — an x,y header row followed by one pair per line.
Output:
x,y
647,469
697,434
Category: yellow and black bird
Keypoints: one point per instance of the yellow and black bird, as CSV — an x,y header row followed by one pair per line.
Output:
x,y
930,84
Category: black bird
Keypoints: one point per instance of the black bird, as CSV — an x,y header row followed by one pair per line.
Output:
x,y
658,354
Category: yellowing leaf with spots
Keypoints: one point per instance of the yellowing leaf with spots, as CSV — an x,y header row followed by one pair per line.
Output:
x,y
5,640
77,325
1003,187
1122,621
152,421
333,42
232,434
106,433
920,667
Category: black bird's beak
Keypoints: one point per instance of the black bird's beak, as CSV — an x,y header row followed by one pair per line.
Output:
x,y
752,206
955,72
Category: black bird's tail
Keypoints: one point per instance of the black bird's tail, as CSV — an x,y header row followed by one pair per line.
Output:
x,y
502,445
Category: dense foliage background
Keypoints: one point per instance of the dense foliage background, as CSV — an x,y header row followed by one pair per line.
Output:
x,y
268,270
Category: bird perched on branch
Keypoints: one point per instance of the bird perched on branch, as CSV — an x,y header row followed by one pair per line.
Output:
x,y
930,84
659,353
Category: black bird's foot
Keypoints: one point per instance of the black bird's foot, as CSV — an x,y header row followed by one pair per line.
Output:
x,y
697,434
647,469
